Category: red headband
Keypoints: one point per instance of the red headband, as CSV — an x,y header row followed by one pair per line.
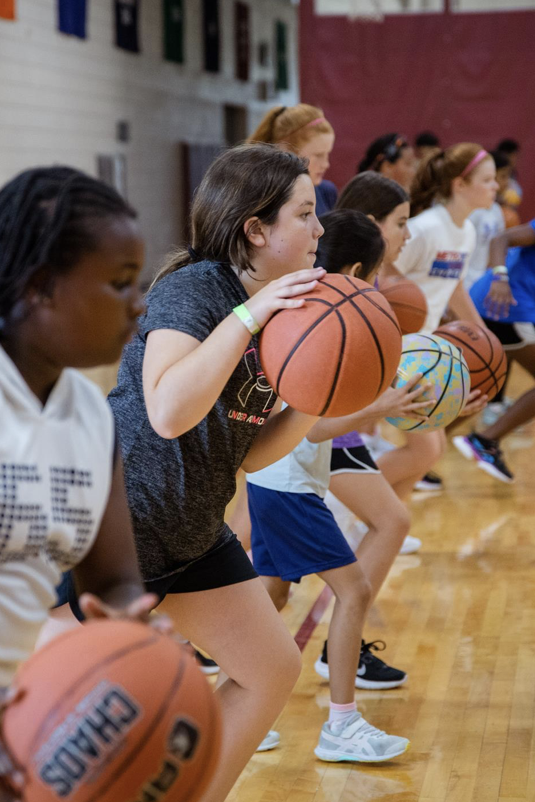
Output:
x,y
480,155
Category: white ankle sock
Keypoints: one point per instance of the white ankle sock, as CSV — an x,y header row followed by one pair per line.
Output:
x,y
339,715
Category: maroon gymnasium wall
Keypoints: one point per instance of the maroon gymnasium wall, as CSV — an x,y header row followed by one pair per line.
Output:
x,y
466,77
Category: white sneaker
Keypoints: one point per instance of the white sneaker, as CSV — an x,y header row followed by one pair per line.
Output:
x,y
410,545
271,740
358,742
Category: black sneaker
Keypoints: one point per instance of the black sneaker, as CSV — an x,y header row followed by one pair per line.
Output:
x,y
487,454
431,481
373,674
207,665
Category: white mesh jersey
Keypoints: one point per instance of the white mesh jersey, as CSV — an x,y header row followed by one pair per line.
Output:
x,y
56,466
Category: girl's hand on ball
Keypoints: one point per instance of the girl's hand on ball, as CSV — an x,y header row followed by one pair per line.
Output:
x,y
407,401
498,301
474,404
11,777
137,610
282,293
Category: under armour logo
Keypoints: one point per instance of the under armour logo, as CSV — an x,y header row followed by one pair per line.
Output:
x,y
256,381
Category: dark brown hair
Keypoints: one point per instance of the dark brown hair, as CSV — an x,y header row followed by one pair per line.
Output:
x,y
372,193
350,237
435,174
246,181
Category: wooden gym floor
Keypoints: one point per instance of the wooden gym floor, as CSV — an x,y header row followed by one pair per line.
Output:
x,y
459,617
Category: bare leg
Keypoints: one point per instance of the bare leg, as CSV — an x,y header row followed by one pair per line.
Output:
x,y
522,411
370,498
403,467
352,598
240,628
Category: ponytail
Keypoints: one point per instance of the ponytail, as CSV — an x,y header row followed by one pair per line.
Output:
x,y
434,177
292,126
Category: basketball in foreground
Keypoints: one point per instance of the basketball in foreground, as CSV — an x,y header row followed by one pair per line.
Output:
x,y
442,365
408,302
113,712
337,353
483,352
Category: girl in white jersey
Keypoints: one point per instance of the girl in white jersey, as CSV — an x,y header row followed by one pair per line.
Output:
x,y
70,257
448,187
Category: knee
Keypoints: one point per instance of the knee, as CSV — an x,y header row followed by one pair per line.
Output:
x,y
288,668
280,598
402,520
360,594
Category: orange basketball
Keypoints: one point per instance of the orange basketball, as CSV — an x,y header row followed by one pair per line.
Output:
x,y
483,353
337,353
408,302
113,712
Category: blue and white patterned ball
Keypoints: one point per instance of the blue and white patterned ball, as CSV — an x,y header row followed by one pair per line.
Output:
x,y
442,365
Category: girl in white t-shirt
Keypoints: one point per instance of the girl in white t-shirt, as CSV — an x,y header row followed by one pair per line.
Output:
x,y
448,187
70,258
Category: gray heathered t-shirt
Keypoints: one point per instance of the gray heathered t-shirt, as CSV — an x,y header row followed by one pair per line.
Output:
x,y
178,489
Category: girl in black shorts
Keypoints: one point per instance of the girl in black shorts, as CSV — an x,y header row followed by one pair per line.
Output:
x,y
192,406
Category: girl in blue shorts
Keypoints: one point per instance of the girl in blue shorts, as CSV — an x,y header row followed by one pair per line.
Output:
x,y
295,534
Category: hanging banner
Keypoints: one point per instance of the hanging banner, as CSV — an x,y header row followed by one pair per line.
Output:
x,y
211,35
242,40
173,27
126,25
7,9
72,17
281,49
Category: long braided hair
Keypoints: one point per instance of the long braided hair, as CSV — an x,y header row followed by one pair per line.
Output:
x,y
48,218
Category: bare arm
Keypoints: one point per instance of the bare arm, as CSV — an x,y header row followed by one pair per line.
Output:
x,y
183,378
519,235
463,307
110,570
280,434
407,401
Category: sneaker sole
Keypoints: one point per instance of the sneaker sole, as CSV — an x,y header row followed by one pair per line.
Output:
x,y
465,449
423,487
210,670
369,685
268,748
328,757
363,684
491,470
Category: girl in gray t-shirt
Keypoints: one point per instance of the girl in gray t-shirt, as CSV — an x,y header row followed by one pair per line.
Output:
x,y
192,406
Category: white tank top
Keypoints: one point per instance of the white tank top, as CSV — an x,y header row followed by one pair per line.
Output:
x,y
55,478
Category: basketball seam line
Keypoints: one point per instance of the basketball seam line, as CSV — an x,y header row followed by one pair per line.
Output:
x,y
485,363
339,365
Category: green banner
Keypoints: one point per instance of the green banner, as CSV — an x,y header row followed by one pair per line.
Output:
x,y
282,80
173,26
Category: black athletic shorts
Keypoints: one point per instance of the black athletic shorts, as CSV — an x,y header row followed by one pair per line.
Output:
x,y
352,460
512,335
226,563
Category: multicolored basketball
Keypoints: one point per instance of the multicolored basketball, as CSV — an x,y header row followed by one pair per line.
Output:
x,y
113,711
337,353
483,352
407,300
443,365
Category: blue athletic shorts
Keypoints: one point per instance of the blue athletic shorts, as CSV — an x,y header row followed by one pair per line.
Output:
x,y
294,534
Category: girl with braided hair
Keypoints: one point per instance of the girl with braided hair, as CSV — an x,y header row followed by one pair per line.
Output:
x,y
70,258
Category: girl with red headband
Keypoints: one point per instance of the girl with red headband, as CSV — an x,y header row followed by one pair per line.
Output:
x,y
304,130
447,188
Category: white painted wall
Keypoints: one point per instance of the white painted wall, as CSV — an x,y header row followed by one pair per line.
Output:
x,y
60,99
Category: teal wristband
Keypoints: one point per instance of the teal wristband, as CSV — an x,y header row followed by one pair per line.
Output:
x,y
246,318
